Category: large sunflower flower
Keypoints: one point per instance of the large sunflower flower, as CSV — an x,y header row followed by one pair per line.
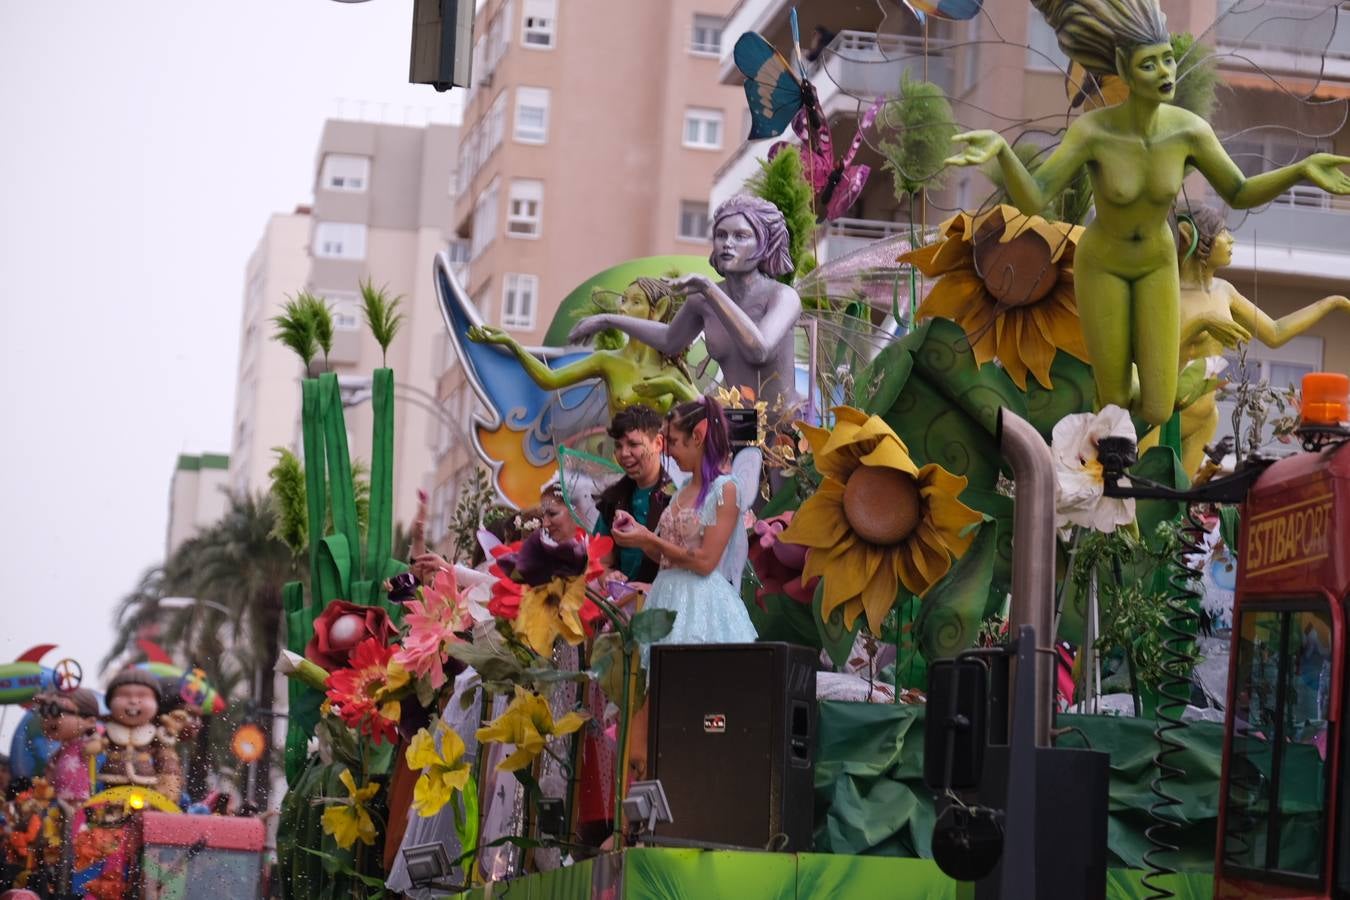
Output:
x,y
527,724
1007,279
877,521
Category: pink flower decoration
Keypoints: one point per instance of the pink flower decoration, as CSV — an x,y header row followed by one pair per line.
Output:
x,y
779,563
432,622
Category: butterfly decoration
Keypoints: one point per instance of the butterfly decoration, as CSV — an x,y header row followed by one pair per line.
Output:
x,y
951,10
836,184
774,93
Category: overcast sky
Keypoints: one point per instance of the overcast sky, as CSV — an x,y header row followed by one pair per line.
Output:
x,y
142,147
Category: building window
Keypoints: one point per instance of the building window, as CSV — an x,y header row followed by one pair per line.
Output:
x,y
485,219
539,23
524,218
693,220
340,240
518,294
1043,51
703,128
345,173
494,124
345,307
458,251
705,39
531,115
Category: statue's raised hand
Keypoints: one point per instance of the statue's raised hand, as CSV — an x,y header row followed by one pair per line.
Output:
x,y
488,334
1325,171
690,284
981,146
588,328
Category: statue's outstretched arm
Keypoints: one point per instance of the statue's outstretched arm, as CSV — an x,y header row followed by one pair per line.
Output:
x,y
1240,192
592,366
1277,332
671,339
1030,193
757,340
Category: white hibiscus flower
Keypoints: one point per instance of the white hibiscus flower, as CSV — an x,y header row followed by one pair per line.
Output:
x,y
1079,486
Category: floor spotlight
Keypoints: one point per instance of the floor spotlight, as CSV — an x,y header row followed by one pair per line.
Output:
x,y
427,864
646,806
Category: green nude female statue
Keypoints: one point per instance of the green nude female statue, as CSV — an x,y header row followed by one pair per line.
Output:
x,y
1136,154
1214,315
635,373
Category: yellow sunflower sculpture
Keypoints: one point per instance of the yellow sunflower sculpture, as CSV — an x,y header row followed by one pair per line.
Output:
x,y
1007,279
877,521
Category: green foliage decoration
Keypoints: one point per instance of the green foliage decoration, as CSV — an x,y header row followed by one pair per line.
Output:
x,y
781,181
1197,76
288,498
382,316
297,330
919,126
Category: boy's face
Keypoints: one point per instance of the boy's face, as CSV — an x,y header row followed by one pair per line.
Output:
x,y
639,455
132,705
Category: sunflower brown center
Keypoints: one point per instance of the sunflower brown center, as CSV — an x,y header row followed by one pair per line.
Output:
x,y
1018,272
882,506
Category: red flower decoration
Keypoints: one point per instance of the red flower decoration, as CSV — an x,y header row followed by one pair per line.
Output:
x,y
340,627
779,563
526,555
355,692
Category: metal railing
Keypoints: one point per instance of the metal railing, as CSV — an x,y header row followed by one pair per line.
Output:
x,y
1286,26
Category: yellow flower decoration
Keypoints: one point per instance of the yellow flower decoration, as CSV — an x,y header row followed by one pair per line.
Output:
x,y
1007,279
550,611
878,520
444,771
347,820
528,724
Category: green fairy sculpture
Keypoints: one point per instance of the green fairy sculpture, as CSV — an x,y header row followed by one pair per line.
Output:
x,y
1214,315
1136,154
635,373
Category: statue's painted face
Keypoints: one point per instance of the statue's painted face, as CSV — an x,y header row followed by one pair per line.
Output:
x,y
1221,251
735,246
132,705
634,302
1152,72
61,721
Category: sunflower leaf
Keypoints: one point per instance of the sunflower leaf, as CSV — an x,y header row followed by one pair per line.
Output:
x,y
950,615
835,637
651,625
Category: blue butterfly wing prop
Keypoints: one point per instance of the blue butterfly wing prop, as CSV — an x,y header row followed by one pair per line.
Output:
x,y
512,398
773,92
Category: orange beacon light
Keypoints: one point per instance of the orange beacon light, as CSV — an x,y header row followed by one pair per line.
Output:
x,y
1326,400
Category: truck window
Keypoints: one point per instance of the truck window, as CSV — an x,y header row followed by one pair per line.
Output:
x,y
1277,783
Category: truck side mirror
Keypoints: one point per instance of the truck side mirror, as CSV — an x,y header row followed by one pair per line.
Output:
x,y
957,724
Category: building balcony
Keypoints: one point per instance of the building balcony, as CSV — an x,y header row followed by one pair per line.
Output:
x,y
856,68
842,236
1305,234
1284,37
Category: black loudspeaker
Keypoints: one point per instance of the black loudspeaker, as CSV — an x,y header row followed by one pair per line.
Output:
x,y
732,738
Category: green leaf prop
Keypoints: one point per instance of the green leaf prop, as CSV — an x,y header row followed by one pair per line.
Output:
x,y
651,625
950,615
1074,391
836,638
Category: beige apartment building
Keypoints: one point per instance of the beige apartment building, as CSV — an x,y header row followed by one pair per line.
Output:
x,y
197,496
590,136
381,211
1008,69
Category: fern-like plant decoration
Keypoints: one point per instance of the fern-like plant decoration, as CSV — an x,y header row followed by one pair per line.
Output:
x,y
1197,76
361,495
919,127
781,181
322,318
296,329
288,498
382,316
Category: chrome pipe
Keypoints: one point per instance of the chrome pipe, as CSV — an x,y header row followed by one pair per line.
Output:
x,y
1033,568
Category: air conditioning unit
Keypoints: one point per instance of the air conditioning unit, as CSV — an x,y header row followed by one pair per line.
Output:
x,y
442,43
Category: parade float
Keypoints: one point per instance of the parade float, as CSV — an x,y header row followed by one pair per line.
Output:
x,y
970,483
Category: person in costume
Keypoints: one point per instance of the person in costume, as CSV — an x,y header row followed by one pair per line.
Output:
x,y
746,319
1214,316
699,537
642,492
1136,154
634,373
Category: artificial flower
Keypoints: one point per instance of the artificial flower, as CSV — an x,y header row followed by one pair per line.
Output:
x,y
1007,279
1079,486
346,820
551,611
444,770
432,622
363,695
555,588
877,521
527,724
340,627
778,563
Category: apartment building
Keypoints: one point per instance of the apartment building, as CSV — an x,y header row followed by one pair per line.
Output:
x,y
197,496
590,136
381,210
1005,68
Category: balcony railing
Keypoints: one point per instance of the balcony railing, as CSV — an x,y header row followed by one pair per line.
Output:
x,y
866,65
1304,218
843,236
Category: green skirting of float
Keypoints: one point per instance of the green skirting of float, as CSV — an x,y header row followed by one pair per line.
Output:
x,y
650,873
